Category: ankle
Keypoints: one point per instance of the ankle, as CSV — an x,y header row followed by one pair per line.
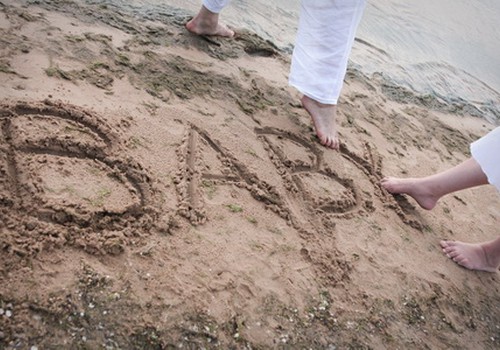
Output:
x,y
208,18
306,99
492,252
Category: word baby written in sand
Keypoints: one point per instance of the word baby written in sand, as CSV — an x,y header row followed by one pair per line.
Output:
x,y
310,186
67,180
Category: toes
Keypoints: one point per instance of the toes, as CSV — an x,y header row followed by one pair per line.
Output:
x,y
225,31
323,140
330,142
447,249
444,244
336,144
451,252
448,245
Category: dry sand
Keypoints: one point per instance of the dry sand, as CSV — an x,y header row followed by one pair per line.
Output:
x,y
162,190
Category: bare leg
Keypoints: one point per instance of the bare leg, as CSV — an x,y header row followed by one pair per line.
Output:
x,y
481,256
427,190
323,116
206,22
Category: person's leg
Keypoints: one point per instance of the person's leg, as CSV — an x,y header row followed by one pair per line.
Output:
x,y
324,40
480,256
427,190
482,168
483,256
206,22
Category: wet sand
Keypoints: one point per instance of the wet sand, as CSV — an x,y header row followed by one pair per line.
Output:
x,y
164,190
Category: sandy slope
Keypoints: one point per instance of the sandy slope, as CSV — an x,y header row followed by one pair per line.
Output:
x,y
164,190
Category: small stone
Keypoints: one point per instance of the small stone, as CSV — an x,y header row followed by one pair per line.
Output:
x,y
31,225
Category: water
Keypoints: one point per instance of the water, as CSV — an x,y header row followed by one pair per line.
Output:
x,y
447,48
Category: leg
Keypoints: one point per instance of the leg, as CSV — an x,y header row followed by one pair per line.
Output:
x,y
481,256
206,22
482,168
427,190
319,62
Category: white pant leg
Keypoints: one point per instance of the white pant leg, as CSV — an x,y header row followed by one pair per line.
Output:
x,y
486,151
215,6
324,40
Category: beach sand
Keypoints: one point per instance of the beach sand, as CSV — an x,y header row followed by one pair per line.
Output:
x,y
163,190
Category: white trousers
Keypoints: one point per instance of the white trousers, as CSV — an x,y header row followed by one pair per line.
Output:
x,y
486,151
324,40
215,6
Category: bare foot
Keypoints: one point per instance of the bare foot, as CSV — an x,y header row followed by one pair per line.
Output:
x,y
470,256
207,23
414,187
323,116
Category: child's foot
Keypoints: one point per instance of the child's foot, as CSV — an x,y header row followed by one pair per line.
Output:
x,y
413,188
470,256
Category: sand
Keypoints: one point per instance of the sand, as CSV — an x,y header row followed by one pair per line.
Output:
x,y
163,190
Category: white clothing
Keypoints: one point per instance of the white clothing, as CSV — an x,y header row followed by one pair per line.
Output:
x,y
486,151
215,6
324,40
